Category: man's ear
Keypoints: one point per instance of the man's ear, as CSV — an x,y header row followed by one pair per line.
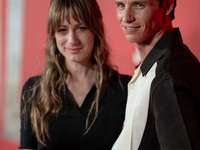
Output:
x,y
169,5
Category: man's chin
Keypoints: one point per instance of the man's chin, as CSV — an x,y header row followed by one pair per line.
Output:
x,y
130,39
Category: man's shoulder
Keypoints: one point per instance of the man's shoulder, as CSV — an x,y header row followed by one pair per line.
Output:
x,y
178,64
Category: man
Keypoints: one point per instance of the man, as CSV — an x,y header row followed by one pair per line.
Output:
x,y
163,107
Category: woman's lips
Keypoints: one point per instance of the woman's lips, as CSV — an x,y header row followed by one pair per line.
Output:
x,y
74,50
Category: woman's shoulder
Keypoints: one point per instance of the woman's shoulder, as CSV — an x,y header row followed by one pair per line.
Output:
x,y
125,77
118,78
29,84
27,91
122,77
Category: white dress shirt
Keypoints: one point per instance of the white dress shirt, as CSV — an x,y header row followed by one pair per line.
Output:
x,y
136,110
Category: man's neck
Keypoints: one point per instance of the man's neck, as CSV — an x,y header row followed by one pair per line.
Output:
x,y
145,48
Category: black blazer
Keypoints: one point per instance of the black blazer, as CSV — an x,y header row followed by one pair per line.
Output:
x,y
173,121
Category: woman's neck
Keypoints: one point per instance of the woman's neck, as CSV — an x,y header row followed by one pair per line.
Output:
x,y
78,72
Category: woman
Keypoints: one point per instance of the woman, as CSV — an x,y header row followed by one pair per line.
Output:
x,y
78,102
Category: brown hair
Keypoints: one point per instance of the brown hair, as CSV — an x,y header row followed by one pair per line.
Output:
x,y
46,102
172,16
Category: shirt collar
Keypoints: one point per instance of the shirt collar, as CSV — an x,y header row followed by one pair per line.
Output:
x,y
166,43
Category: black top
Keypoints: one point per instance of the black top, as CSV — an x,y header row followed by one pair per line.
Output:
x,y
67,129
174,110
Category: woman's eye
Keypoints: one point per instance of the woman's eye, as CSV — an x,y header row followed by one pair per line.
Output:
x,y
61,30
82,28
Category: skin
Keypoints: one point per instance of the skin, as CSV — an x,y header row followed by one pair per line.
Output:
x,y
75,42
144,22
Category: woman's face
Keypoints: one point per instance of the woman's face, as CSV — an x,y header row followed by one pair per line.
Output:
x,y
74,41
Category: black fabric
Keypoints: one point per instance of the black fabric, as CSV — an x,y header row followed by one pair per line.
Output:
x,y
174,111
66,130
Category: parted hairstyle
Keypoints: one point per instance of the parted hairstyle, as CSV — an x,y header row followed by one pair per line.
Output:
x,y
44,97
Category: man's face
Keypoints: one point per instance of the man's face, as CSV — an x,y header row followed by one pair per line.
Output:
x,y
141,20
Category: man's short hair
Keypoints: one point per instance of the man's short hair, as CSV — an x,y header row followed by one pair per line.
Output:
x,y
160,2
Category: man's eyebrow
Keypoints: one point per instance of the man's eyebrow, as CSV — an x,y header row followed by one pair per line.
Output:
x,y
133,2
117,2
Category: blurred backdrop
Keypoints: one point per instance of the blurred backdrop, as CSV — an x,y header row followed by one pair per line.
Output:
x,y
22,42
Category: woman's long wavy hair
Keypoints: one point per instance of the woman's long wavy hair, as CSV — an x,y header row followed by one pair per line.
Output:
x,y
46,102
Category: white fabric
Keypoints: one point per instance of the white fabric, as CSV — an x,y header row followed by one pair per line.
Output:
x,y
136,110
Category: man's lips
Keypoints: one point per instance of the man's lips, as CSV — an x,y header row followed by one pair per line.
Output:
x,y
130,28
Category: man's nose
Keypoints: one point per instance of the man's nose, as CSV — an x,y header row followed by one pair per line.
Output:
x,y
128,16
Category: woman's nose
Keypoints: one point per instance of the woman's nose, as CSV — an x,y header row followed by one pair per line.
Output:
x,y
72,37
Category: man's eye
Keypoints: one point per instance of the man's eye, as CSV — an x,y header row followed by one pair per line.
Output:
x,y
120,6
138,5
